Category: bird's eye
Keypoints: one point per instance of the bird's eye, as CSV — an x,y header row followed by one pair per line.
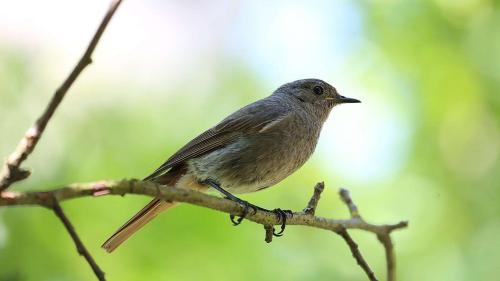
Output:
x,y
318,90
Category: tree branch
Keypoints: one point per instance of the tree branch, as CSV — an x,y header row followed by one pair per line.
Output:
x,y
313,202
357,254
11,171
383,237
268,219
346,198
386,240
188,196
344,194
76,239
269,233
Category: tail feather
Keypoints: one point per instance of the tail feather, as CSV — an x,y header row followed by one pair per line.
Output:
x,y
146,214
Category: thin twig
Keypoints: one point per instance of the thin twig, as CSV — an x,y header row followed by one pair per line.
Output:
x,y
353,210
78,243
357,254
344,194
346,198
11,171
313,202
269,233
386,240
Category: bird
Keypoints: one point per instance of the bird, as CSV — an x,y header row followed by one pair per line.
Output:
x,y
252,149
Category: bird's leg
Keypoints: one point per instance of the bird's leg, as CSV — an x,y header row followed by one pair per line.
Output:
x,y
280,214
230,196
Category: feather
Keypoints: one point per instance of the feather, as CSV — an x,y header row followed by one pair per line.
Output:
x,y
252,119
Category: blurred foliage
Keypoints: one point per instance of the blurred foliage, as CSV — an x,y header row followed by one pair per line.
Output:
x,y
442,61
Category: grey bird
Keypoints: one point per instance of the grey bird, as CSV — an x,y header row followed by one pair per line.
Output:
x,y
251,149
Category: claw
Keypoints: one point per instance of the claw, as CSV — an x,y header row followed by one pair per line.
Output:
x,y
246,206
282,216
237,221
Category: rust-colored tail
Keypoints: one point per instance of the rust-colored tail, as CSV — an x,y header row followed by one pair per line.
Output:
x,y
146,214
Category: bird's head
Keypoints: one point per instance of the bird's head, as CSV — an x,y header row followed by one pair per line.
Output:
x,y
314,94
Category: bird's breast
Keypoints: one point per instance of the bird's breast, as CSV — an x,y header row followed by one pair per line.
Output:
x,y
256,161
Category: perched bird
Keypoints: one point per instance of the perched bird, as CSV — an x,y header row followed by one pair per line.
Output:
x,y
251,149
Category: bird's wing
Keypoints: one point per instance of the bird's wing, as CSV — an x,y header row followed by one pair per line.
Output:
x,y
248,120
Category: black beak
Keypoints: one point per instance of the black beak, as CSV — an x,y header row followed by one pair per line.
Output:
x,y
343,99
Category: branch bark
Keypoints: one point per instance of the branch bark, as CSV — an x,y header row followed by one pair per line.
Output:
x,y
267,219
313,202
383,237
386,241
80,248
353,246
123,187
11,171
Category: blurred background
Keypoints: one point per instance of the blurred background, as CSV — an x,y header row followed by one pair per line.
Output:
x,y
423,145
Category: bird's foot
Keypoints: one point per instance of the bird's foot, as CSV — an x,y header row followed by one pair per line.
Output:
x,y
282,216
246,208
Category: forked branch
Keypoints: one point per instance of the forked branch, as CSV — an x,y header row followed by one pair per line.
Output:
x,y
267,219
11,171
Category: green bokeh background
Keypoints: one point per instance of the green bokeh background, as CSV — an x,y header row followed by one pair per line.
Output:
x,y
435,64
